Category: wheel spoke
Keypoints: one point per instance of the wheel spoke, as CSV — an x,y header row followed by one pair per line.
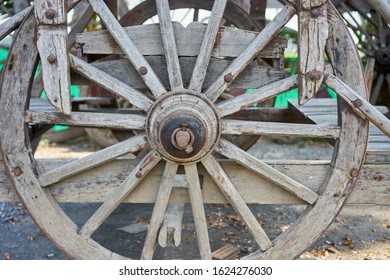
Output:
x,y
238,127
111,84
361,107
131,145
159,210
235,199
119,194
239,64
206,48
198,211
233,152
130,49
261,94
377,89
116,121
169,43
13,22
79,26
369,74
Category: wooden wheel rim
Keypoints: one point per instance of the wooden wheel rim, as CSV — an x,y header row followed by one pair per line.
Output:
x,y
22,168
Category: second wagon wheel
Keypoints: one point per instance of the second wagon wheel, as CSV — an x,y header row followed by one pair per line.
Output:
x,y
183,128
372,34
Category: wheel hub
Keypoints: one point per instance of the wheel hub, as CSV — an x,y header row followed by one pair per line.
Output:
x,y
183,126
382,58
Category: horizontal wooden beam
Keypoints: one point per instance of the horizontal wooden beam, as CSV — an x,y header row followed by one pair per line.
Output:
x,y
230,43
373,185
253,76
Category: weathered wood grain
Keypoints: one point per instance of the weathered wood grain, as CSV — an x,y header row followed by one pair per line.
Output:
x,y
169,234
235,199
231,42
278,129
131,145
372,187
160,207
383,7
129,48
113,201
109,120
362,107
256,165
238,103
13,22
313,32
52,44
253,76
250,52
195,193
110,83
15,79
207,46
169,44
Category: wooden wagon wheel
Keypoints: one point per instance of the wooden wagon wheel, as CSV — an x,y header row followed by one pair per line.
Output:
x,y
234,16
183,127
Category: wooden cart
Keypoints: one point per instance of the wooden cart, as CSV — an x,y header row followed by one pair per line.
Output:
x,y
176,78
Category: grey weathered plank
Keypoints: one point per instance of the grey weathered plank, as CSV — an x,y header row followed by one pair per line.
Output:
x,y
372,187
148,40
253,76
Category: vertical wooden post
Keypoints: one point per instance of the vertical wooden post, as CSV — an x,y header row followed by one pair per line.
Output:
x,y
313,32
52,40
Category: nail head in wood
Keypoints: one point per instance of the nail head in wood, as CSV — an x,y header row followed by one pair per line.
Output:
x,y
315,75
357,103
317,12
17,171
51,14
52,58
228,78
138,174
143,70
354,172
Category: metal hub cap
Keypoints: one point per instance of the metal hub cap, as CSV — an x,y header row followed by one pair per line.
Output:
x,y
382,57
183,126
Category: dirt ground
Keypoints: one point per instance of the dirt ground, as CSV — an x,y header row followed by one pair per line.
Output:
x,y
358,233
